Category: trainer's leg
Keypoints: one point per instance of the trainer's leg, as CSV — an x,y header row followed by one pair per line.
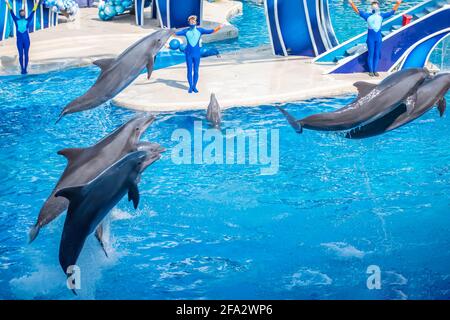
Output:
x,y
377,55
370,53
26,49
20,49
196,73
189,71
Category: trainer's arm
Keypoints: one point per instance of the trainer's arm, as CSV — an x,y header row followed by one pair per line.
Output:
x,y
209,31
11,11
36,5
354,7
399,2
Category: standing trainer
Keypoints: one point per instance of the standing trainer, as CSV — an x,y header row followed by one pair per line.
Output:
x,y
193,36
22,36
374,38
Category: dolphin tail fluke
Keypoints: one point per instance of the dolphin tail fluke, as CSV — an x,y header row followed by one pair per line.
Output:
x,y
34,231
442,105
292,121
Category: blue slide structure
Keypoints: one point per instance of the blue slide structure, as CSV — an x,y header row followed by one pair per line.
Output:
x,y
403,46
174,13
299,27
44,17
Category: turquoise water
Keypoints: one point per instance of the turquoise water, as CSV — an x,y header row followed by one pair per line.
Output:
x,y
309,231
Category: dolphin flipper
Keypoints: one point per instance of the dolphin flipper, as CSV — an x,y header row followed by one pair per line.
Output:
x,y
292,121
150,65
34,231
99,236
442,105
133,194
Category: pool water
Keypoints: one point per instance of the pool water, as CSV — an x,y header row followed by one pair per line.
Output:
x,y
310,231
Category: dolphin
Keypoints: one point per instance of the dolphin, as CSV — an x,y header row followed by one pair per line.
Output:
x,y
116,74
86,163
213,113
91,202
373,102
430,93
154,151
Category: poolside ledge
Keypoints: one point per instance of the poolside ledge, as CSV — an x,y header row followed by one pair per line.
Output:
x,y
247,78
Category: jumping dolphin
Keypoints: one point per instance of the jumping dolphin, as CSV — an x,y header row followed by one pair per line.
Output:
x,y
430,93
86,163
91,202
154,151
116,74
213,113
373,102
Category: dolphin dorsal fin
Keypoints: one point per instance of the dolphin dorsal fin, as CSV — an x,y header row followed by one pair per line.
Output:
x,y
364,88
133,194
104,63
71,153
71,193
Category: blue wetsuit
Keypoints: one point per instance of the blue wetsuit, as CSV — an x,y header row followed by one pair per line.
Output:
x,y
192,52
374,38
23,38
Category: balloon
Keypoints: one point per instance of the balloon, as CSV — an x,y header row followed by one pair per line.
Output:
x,y
101,14
182,47
119,9
110,11
174,44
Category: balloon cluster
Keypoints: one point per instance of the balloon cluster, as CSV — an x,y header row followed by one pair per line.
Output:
x,y
109,9
68,7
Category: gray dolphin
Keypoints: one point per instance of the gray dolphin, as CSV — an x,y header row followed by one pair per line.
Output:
x,y
213,114
116,74
430,93
154,151
86,163
373,102
91,202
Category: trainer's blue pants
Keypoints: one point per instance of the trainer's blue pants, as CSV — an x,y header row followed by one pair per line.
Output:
x,y
23,46
374,52
193,65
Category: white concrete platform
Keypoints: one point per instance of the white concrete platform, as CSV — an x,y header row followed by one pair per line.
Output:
x,y
245,78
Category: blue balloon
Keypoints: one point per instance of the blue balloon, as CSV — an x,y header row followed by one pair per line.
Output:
x,y
126,4
110,11
182,47
119,9
174,44
101,14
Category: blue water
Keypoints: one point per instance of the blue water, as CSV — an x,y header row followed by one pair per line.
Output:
x,y
310,231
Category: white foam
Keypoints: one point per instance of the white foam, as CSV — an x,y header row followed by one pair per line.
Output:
x,y
344,250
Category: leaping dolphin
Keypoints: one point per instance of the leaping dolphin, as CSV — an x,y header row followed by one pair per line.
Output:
x,y
116,74
84,164
430,93
91,202
213,112
373,102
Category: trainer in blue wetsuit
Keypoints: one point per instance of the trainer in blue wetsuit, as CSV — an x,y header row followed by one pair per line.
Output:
x,y
374,39
23,38
193,36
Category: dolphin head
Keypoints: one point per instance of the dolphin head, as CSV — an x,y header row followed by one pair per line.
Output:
x,y
153,153
135,128
441,82
158,39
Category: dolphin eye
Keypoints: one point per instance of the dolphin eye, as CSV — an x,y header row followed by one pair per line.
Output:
x,y
137,129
